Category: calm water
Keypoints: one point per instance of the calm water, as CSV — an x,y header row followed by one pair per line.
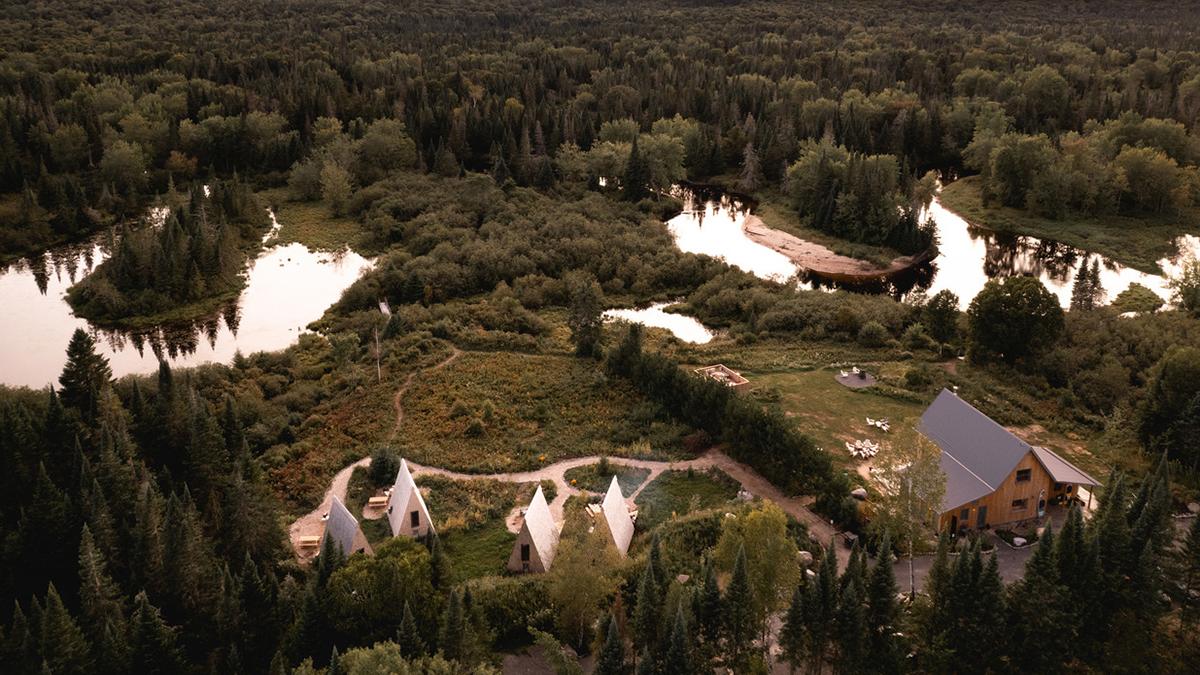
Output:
x,y
287,287
683,327
712,223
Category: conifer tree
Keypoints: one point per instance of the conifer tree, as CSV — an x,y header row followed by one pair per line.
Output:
x,y
335,663
452,639
65,649
646,664
611,660
408,636
822,606
708,606
636,176
646,611
1190,567
102,610
852,635
19,646
84,376
678,658
739,611
793,637
883,612
1039,613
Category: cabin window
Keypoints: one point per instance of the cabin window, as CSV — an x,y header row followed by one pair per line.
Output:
x,y
1024,475
1058,487
965,515
414,518
524,552
1069,488
1019,504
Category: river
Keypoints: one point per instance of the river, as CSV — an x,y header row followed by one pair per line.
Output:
x,y
287,287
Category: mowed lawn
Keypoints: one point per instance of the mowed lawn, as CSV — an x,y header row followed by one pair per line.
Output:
x,y
499,411
833,414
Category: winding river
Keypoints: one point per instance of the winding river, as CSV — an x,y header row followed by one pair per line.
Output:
x,y
287,287
714,223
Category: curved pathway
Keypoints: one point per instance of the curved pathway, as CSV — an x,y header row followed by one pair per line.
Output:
x,y
748,478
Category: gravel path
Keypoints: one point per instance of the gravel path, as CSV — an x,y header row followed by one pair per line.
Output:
x,y
749,479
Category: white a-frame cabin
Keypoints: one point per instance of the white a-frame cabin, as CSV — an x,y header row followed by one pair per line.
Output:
x,y
406,510
538,539
342,527
616,517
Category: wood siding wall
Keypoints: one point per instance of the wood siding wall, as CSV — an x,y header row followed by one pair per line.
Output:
x,y
1000,510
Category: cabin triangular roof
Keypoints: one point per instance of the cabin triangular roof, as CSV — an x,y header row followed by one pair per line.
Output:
x,y
616,514
404,490
542,530
342,527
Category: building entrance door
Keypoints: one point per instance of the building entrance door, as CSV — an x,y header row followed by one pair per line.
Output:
x,y
981,522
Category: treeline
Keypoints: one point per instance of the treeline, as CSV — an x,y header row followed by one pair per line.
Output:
x,y
1128,165
197,253
138,534
761,438
196,88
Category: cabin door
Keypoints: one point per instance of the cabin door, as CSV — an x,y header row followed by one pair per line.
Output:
x,y
1042,504
981,522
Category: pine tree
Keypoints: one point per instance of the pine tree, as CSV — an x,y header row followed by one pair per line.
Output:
x,y
883,612
636,177
852,635
646,664
611,660
793,637
452,639
989,614
751,176
102,610
335,663
678,657
822,605
739,611
1039,610
408,636
1190,565
646,611
85,374
440,573
1083,293
708,610
19,646
64,647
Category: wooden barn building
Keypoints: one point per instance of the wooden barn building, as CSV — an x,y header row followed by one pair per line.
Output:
x,y
993,478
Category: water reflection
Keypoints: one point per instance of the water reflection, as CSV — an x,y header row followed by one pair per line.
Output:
x,y
713,223
287,287
685,328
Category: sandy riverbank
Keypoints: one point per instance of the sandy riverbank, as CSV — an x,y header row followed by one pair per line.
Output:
x,y
820,260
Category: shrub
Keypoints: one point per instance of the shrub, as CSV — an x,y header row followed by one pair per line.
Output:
x,y
873,334
385,463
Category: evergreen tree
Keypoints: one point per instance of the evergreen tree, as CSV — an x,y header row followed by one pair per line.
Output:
x,y
852,635
335,663
64,647
1190,567
751,177
739,612
708,609
822,605
1039,610
646,664
1083,290
793,637
883,612
102,610
646,611
408,636
85,375
636,177
18,646
678,657
611,660
452,638
440,573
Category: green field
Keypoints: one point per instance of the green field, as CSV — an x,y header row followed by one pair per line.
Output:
x,y
678,492
311,223
501,411
592,479
1138,242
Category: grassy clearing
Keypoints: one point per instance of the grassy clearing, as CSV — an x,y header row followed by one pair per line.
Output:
x,y
312,223
464,504
593,479
1138,242
677,492
480,551
500,411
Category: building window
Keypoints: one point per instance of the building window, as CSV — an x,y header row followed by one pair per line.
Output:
x,y
1024,475
525,553
1019,504
1069,488
1058,487
414,518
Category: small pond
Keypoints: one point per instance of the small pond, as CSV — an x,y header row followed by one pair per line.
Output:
x,y
287,287
683,327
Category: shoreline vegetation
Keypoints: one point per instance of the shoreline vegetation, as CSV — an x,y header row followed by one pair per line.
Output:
x,y
1139,242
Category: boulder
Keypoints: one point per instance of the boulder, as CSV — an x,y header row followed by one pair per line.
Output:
x,y
1019,541
1193,507
859,494
806,558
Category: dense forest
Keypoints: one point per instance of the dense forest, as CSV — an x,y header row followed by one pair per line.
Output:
x,y
513,162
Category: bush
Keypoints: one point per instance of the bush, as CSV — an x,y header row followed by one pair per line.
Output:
x,y
385,464
873,334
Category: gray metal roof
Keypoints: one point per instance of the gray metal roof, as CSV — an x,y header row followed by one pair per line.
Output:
x,y
977,453
1060,469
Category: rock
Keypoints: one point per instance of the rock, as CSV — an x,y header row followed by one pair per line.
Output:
x,y
806,558
1019,541
859,493
1193,507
